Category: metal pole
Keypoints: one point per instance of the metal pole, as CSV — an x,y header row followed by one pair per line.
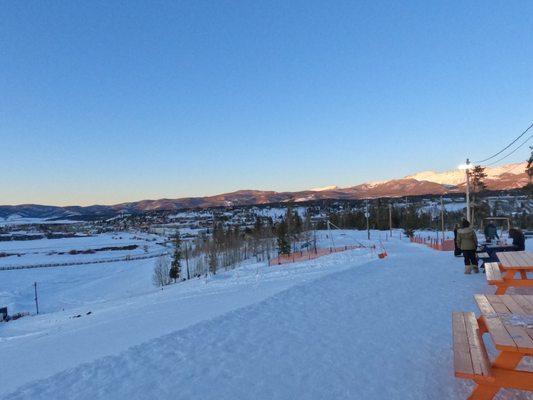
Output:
x,y
467,190
390,219
36,299
367,215
442,217
187,260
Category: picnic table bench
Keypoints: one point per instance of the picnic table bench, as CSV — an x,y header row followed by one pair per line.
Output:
x,y
508,319
503,273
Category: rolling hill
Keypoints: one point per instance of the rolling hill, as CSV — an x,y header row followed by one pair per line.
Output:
x,y
505,177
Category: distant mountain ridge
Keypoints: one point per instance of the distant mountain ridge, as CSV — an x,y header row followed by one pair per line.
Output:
x,y
505,177
457,177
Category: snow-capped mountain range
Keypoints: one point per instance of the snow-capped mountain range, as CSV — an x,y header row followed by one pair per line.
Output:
x,y
504,177
458,177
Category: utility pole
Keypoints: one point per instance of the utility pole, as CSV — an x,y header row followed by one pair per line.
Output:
x,y
442,217
467,189
36,299
187,260
390,219
367,215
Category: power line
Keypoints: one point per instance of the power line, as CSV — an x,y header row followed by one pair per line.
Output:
x,y
512,152
506,147
513,168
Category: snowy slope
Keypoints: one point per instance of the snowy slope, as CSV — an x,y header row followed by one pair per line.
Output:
x,y
346,326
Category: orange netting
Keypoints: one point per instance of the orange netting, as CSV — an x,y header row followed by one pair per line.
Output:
x,y
437,244
311,254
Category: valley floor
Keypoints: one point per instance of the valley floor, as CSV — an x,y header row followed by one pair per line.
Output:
x,y
345,326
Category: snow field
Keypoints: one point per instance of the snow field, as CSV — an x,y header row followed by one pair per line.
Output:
x,y
345,326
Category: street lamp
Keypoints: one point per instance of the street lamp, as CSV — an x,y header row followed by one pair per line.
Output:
x,y
466,167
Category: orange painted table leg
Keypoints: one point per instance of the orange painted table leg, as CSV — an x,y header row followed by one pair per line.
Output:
x,y
505,376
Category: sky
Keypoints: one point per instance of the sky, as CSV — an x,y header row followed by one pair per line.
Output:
x,y
103,102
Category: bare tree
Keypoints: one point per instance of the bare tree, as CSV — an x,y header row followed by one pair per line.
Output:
x,y
477,180
161,275
213,261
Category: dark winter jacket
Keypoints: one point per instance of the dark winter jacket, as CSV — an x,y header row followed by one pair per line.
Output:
x,y
491,232
466,239
519,240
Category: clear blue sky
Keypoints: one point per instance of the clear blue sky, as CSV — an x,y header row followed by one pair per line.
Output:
x,y
105,102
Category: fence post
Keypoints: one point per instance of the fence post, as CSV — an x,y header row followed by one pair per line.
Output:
x,y
36,299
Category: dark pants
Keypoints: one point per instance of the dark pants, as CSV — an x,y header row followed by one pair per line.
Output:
x,y
470,257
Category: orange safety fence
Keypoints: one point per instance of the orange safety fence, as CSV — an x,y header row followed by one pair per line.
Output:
x,y
437,244
312,254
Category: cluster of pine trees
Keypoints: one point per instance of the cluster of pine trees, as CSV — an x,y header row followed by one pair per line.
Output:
x,y
291,230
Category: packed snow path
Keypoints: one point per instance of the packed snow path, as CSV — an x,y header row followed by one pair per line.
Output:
x,y
380,330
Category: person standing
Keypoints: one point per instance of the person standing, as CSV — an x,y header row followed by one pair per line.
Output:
x,y
456,250
491,232
519,240
467,242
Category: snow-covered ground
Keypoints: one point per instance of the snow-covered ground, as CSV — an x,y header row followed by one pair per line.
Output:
x,y
49,251
15,219
344,326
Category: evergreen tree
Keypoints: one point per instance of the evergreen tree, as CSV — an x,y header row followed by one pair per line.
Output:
x,y
477,180
284,245
258,226
529,171
529,167
175,269
308,225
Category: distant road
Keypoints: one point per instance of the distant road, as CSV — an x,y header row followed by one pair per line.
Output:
x,y
99,261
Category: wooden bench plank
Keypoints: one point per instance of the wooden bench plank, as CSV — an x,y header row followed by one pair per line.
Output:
x,y
471,360
462,361
480,358
493,274
483,255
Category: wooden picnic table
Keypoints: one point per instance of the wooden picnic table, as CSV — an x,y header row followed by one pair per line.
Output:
x,y
516,261
503,273
492,248
508,319
499,247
